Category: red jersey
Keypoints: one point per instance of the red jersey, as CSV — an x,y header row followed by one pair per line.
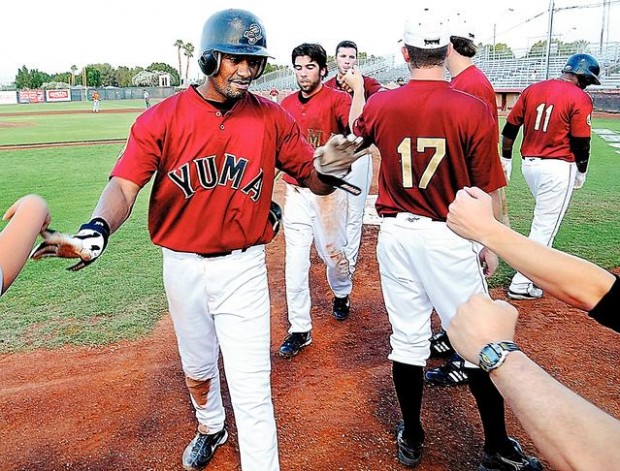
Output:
x,y
320,116
433,140
551,112
473,81
214,170
371,85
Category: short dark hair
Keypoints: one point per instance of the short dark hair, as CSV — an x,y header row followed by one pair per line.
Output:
x,y
346,43
424,58
314,51
464,46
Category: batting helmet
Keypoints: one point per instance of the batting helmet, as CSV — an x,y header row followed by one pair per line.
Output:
x,y
585,67
236,32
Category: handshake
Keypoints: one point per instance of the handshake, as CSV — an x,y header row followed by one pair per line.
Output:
x,y
333,161
87,245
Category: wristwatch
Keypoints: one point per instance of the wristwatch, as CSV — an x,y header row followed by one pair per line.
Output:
x,y
493,354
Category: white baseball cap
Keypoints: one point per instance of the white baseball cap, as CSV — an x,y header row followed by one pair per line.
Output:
x,y
426,31
461,27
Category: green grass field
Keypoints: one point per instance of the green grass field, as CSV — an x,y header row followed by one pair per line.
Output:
x,y
121,295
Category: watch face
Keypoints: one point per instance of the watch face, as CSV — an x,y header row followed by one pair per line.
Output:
x,y
489,357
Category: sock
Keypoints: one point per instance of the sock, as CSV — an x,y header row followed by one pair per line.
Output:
x,y
408,382
491,407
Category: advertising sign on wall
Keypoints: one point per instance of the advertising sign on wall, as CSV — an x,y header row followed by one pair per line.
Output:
x,y
31,96
8,97
58,95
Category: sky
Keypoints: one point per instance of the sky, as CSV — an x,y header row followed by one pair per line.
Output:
x,y
52,37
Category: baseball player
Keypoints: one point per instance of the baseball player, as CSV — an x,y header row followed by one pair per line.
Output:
x,y
213,150
320,112
469,79
96,100
433,140
361,173
28,217
555,115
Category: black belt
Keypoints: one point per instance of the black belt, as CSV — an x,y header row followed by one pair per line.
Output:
x,y
219,254
392,215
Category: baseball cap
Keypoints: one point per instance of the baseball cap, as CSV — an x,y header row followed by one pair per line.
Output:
x,y
426,31
459,26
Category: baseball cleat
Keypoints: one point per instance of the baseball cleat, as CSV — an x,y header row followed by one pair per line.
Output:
x,y
451,374
409,454
293,343
440,345
515,460
531,292
341,308
202,448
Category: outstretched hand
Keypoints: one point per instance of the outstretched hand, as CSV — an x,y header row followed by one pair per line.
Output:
x,y
337,155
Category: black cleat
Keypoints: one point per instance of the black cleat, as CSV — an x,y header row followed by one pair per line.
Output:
x,y
516,460
441,346
341,308
202,448
451,374
293,343
409,454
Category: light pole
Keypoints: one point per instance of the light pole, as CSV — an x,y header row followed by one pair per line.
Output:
x,y
549,35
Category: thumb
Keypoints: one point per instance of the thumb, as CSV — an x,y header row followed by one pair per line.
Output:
x,y
10,212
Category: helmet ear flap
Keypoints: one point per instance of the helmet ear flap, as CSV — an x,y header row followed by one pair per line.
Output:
x,y
261,68
209,62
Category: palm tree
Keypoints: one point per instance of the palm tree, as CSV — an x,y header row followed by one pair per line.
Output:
x,y
188,51
179,44
73,71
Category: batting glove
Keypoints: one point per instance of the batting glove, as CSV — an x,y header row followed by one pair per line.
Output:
x,y
87,245
506,167
580,179
337,155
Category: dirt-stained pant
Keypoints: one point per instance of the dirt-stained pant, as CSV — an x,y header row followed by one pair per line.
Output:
x,y
308,217
223,304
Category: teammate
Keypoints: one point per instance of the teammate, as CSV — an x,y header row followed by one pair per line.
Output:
x,y
28,217
320,111
96,100
433,141
570,279
361,173
213,150
469,79
555,115
147,98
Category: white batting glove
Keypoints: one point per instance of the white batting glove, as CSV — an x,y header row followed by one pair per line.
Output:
x,y
580,179
506,167
337,155
87,245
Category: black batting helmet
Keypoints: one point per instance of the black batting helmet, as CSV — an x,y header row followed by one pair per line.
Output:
x,y
585,66
232,31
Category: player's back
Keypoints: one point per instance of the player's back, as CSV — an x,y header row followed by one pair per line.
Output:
x,y
433,140
551,111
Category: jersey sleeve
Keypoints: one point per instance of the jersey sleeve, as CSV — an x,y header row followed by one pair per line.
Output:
x,y
516,115
139,159
580,120
485,167
607,311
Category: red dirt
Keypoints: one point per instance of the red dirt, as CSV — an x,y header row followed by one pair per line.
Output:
x,y
125,406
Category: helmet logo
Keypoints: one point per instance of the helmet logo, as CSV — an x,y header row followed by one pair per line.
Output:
x,y
253,34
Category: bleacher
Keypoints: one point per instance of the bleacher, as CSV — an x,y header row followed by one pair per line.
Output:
x,y
503,72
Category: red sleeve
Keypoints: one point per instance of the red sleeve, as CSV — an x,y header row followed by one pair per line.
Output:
x,y
580,120
371,86
516,115
484,164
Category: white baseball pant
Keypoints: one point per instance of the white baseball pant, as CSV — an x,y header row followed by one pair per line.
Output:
x,y
423,264
360,176
223,303
551,183
307,217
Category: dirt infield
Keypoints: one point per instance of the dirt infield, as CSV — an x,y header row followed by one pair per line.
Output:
x,y
125,407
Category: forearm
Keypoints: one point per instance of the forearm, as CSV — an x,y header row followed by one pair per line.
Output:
x,y
496,198
116,202
17,238
569,431
573,280
357,105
